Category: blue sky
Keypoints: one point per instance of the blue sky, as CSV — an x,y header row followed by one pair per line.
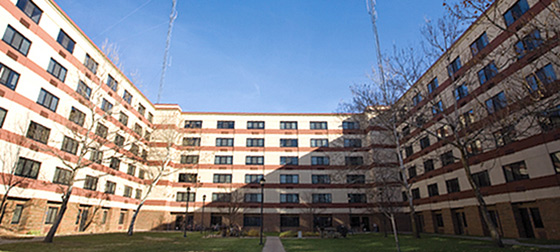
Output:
x,y
251,55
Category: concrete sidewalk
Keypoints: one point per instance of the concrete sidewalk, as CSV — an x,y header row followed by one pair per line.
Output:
x,y
273,244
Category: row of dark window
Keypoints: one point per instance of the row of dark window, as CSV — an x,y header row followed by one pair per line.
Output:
x,y
287,125
257,197
284,178
52,212
259,160
259,142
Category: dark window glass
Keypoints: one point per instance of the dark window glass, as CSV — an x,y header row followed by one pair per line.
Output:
x,y
191,141
289,198
65,41
189,159
16,216
412,172
496,103
461,92
112,83
479,44
119,140
321,198
38,132
289,160
27,168
433,190
131,170
254,160
347,125
447,158
481,179
188,177
253,197
141,109
8,77
319,160
223,160
193,124
226,124
541,77
318,125
251,221
355,179
428,165
289,179
69,145
16,40
357,198
91,64
288,143
516,11
127,191
439,220
30,9
354,160
222,178
106,106
536,216
487,73
321,179
432,85
90,183
221,197
528,43
83,90
57,70
452,185
515,171
288,125
322,142
415,193
556,161
289,221
127,97
110,187
353,143
52,212
115,163
182,197
123,118
224,142
454,66
253,178
416,99
255,142
62,176
77,116
408,151
96,156
437,108
101,130
425,142
3,113
255,125
47,100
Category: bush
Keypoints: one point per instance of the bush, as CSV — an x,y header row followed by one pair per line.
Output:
x,y
34,232
311,234
253,233
288,234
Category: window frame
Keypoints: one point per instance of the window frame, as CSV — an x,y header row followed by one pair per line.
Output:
x,y
16,40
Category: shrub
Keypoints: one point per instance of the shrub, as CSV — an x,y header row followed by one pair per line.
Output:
x,y
34,232
288,234
253,233
310,234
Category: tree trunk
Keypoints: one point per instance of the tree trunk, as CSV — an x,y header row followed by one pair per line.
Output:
x,y
131,227
494,234
395,233
50,235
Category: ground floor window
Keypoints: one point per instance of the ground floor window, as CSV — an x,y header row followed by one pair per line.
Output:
x,y
251,221
289,221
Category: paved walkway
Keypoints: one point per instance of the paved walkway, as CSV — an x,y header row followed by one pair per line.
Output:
x,y
273,244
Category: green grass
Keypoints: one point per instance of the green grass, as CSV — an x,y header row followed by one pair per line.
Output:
x,y
138,242
378,243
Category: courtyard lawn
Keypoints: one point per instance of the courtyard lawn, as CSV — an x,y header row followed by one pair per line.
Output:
x,y
164,241
378,243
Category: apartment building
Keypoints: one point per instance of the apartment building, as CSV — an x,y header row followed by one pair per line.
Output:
x,y
496,90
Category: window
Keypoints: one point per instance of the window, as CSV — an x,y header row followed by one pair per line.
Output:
x,y
322,221
556,161
222,178
425,142
253,197
289,198
454,66
193,124
30,9
466,119
69,145
353,160
461,92
104,217
27,168
432,85
254,160
224,141
479,44
221,197
322,142
189,159
319,160
412,172
138,194
16,216
416,99
544,75
255,142
131,169
408,150
253,178
115,163
57,70
487,73
2,116
123,118
188,177
101,130
405,131
415,193
8,77
65,41
91,64
289,160
420,120
223,160
443,132
353,143
438,219
289,221
496,103
289,179
317,125
138,129
321,198
528,43
191,141
447,158
142,174
428,165
110,187
106,106
433,190
348,125
516,11
38,132
550,118
127,191
357,198
516,171
321,179
141,109
452,185
182,197
90,183
83,90
226,124
288,125
481,179
355,179
288,143
127,97
437,108
52,212
77,116
96,156
112,83
150,117
16,40
255,125
474,148
47,100
122,217
251,221
134,149
119,140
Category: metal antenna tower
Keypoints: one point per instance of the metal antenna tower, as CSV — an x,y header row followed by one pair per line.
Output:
x,y
172,18
373,13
